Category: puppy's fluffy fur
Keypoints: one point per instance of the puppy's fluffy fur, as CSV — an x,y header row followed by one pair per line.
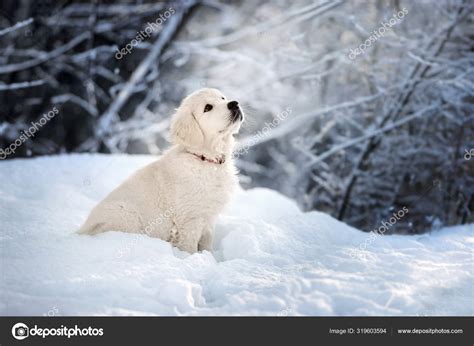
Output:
x,y
178,197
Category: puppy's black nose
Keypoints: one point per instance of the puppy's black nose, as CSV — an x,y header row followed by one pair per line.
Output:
x,y
232,105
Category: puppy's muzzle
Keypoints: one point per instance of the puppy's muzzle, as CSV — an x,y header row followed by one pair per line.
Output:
x,y
235,111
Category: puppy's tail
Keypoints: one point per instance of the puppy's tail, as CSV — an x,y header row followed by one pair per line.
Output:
x,y
91,229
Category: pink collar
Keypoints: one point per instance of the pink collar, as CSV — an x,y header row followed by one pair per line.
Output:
x,y
201,157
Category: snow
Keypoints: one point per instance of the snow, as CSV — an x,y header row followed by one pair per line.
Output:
x,y
269,258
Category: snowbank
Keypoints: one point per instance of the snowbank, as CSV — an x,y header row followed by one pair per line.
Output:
x,y
269,258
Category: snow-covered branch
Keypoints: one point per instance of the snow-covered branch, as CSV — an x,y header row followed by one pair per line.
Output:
x,y
21,85
15,27
111,114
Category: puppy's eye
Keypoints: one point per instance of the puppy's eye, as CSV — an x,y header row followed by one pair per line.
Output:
x,y
207,108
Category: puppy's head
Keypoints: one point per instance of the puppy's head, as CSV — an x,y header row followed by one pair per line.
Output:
x,y
205,118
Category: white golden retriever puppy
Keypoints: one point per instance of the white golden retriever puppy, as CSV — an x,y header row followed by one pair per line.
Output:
x,y
178,197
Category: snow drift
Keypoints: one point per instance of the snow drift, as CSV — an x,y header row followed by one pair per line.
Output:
x,y
269,258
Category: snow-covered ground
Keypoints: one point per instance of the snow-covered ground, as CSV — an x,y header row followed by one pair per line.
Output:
x,y
269,258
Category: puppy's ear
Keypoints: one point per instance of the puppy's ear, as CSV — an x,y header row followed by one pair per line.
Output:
x,y
184,129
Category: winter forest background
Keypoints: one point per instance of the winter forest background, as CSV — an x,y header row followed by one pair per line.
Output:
x,y
359,135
